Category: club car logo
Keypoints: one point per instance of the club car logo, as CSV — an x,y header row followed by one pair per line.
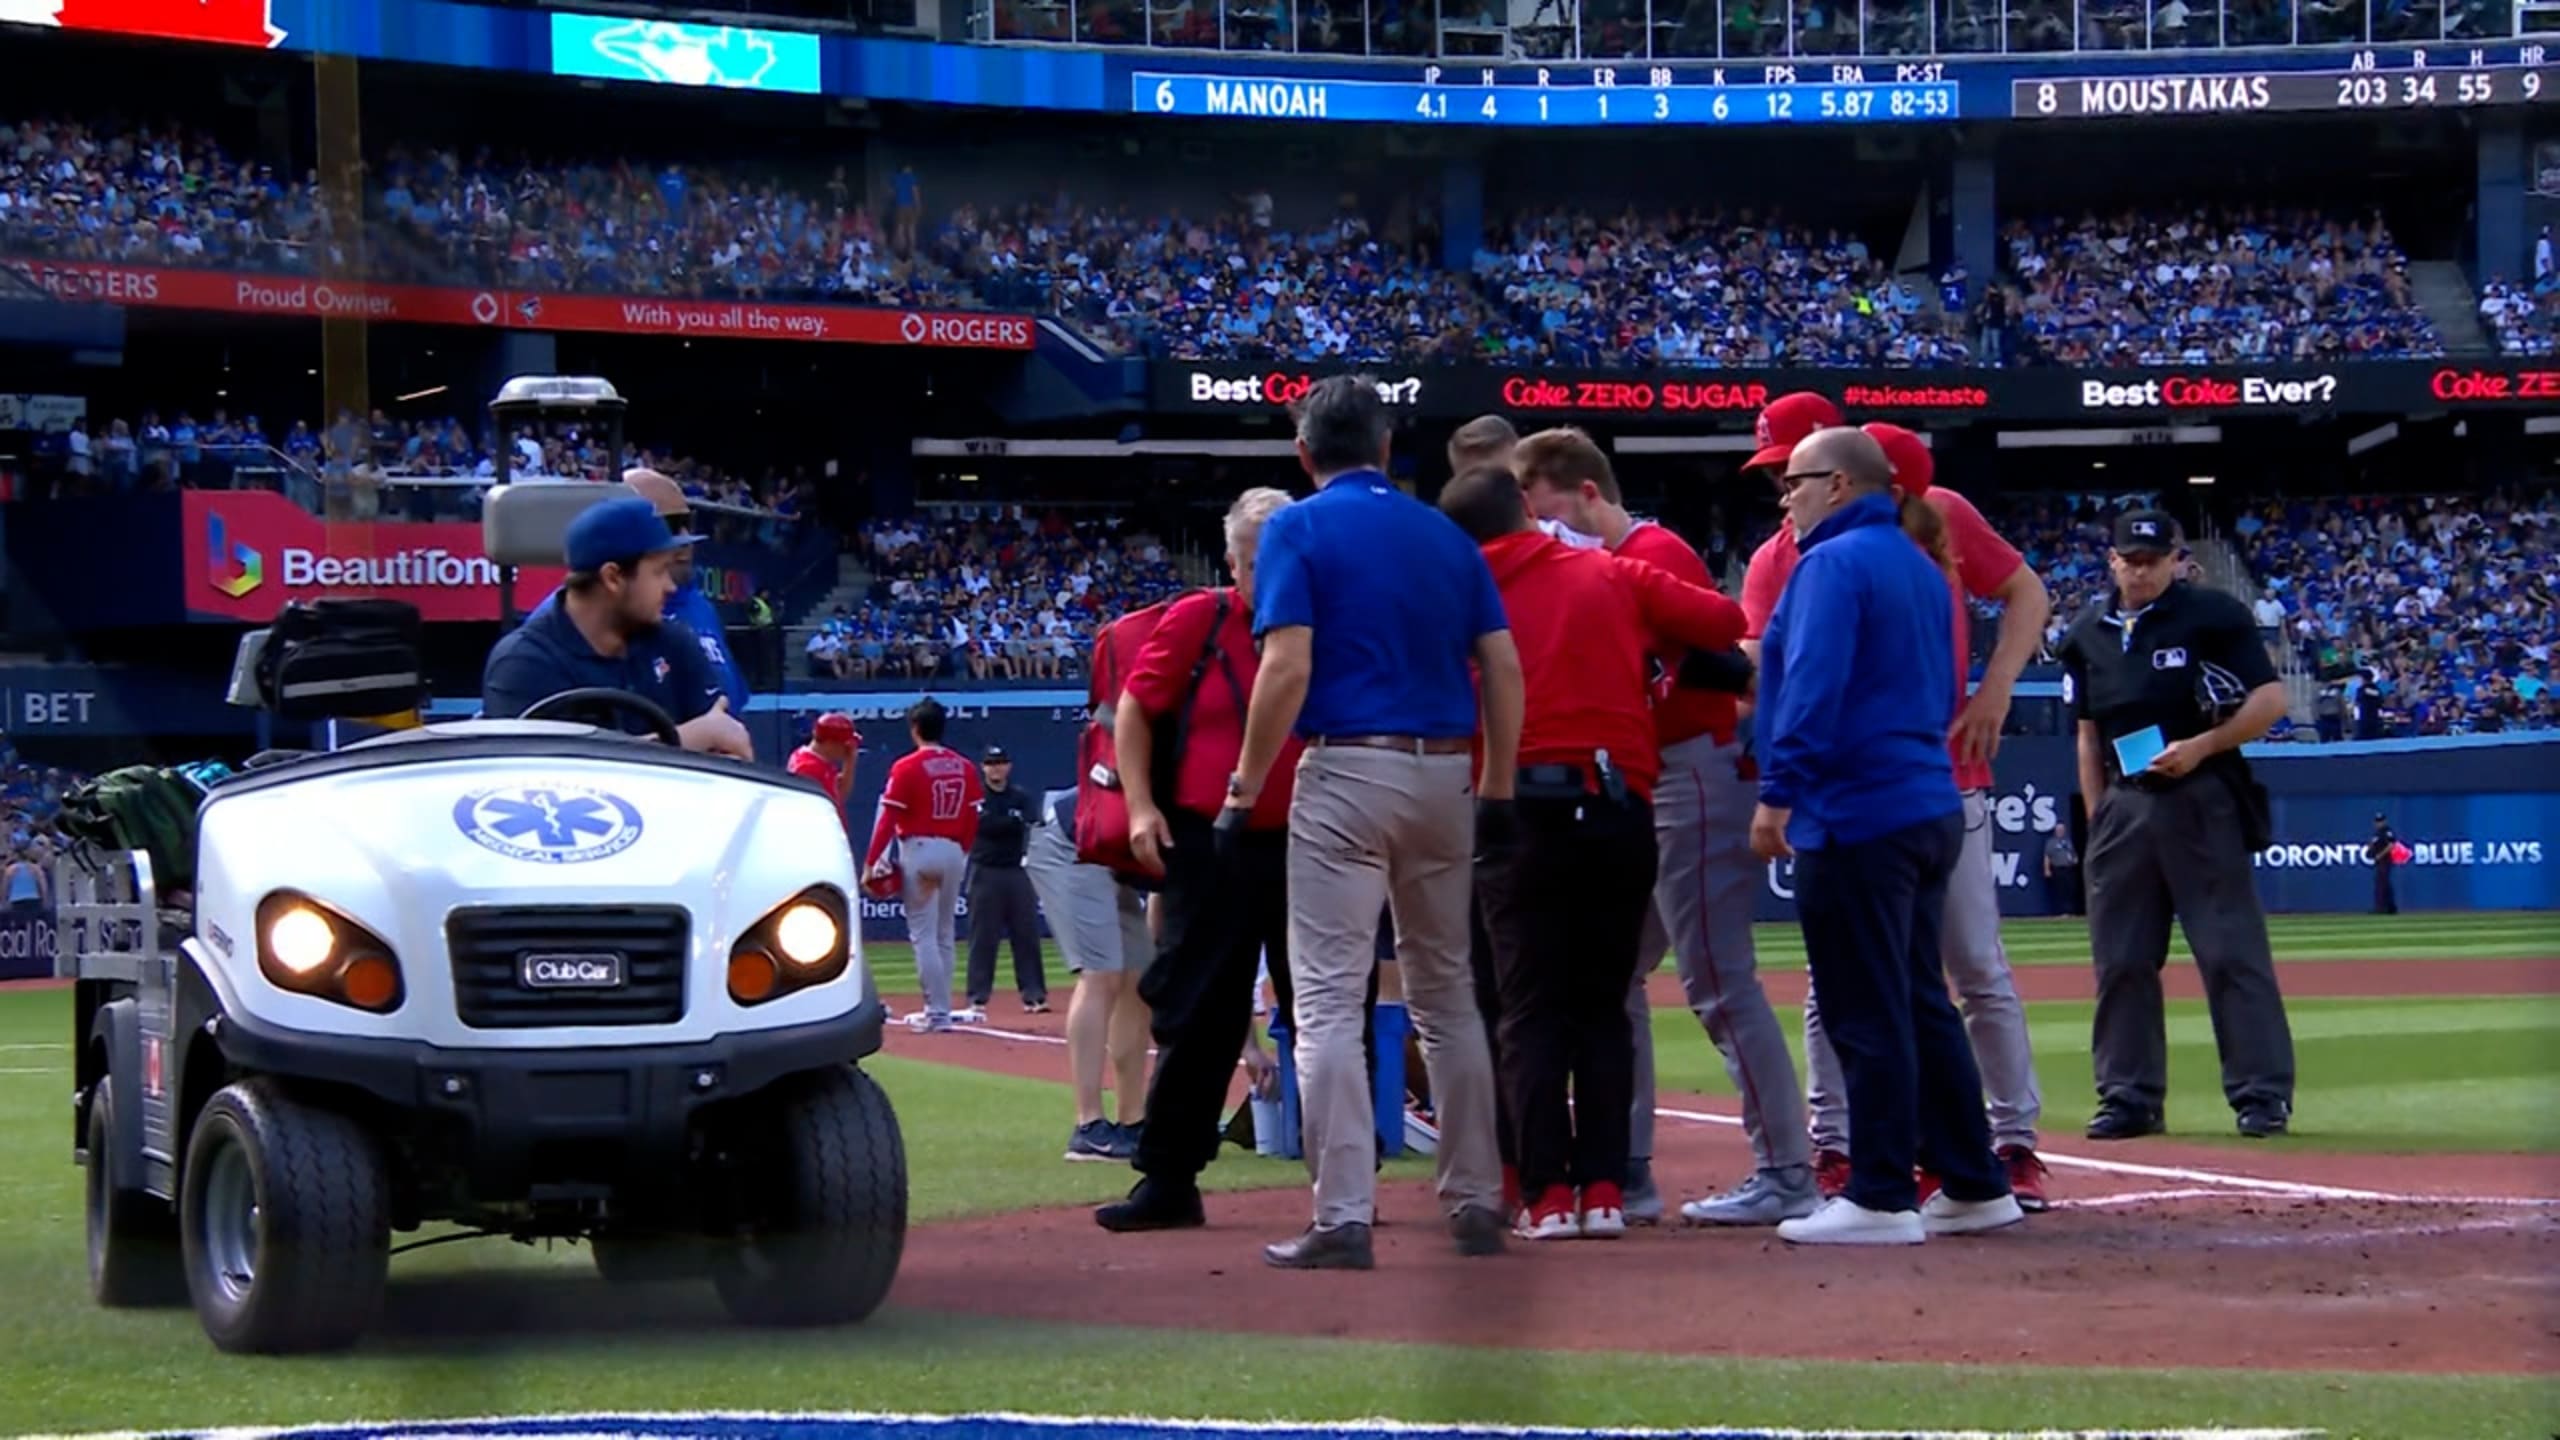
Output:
x,y
547,824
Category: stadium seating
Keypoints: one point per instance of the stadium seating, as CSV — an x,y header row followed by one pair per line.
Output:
x,y
2206,287
2442,607
1008,598
1562,287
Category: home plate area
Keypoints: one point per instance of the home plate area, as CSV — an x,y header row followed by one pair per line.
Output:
x,y
739,1426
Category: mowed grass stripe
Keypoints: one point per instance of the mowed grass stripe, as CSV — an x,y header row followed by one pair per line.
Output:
x,y
2497,935
2357,1063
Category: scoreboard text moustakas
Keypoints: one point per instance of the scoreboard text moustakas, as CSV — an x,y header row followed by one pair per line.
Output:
x,y
1634,95
2228,92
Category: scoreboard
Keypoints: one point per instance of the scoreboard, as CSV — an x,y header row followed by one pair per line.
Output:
x,y
1854,92
1581,95
2240,92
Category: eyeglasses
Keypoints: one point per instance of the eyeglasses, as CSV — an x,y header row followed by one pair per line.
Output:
x,y
1794,478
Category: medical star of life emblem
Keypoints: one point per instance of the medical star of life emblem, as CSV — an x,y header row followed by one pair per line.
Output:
x,y
548,824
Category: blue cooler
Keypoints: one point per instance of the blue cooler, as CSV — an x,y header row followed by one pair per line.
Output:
x,y
1392,1025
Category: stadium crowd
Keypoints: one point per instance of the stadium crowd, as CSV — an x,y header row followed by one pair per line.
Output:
x,y
2424,616
1241,279
1005,597
2206,287
369,467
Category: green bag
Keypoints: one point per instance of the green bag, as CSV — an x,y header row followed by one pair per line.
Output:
x,y
150,808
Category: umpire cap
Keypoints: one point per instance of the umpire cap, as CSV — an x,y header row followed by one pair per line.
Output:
x,y
2146,532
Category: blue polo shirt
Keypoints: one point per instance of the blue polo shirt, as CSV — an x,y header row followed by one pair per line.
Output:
x,y
1396,595
691,608
546,655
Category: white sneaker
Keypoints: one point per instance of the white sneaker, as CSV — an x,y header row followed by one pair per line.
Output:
x,y
969,1015
1842,1221
1946,1215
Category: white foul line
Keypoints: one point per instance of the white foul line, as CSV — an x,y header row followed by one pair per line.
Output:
x,y
2224,1183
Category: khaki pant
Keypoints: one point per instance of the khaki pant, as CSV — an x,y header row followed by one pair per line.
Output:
x,y
1369,828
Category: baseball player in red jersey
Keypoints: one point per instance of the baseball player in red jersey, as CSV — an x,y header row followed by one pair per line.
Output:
x,y
1703,888
828,757
930,808
1988,568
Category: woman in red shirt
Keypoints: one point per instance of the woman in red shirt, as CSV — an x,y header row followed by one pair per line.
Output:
x,y
1225,895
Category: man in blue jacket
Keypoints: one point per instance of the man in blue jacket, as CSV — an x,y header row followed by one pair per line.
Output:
x,y
1855,784
686,604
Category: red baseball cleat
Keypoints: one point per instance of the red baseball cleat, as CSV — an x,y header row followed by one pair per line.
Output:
x,y
2026,1178
1830,1173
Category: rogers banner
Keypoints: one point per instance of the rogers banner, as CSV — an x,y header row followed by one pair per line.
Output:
x,y
250,551
303,295
2382,387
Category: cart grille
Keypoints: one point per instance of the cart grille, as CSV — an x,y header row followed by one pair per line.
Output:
x,y
489,946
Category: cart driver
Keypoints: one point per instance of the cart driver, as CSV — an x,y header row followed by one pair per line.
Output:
x,y
606,627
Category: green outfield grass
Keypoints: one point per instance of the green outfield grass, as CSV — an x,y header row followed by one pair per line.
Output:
x,y
2414,1074
535,1332
2494,935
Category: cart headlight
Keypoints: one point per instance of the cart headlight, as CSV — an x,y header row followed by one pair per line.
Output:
x,y
310,949
806,934
805,941
301,939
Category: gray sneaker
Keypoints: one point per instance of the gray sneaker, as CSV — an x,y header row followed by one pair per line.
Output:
x,y
1643,1198
1766,1198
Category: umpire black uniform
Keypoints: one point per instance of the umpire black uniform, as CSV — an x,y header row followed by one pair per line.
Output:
x,y
1002,904
2175,677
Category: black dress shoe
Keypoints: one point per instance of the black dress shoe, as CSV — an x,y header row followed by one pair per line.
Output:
x,y
1154,1205
2259,1122
1477,1230
1343,1247
2123,1122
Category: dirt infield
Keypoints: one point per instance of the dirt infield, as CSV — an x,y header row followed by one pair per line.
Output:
x,y
2245,1283
2157,1253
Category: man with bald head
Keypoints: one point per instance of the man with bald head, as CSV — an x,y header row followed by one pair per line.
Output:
x,y
687,602
1856,784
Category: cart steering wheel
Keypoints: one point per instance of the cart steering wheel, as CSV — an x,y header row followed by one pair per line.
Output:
x,y
590,699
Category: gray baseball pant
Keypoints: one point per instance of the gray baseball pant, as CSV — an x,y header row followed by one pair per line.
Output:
x,y
1702,900
933,916
1977,965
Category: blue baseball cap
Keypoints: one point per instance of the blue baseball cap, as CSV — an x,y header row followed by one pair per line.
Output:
x,y
622,529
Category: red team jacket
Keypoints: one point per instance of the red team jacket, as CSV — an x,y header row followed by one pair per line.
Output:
x,y
808,764
931,791
1680,714
1588,624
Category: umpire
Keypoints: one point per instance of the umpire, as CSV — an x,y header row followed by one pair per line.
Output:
x,y
2167,683
1001,902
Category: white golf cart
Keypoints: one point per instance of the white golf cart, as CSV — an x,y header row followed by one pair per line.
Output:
x,y
526,978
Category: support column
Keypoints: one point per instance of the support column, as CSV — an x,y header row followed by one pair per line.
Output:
x,y
1974,219
1461,213
345,380
2501,244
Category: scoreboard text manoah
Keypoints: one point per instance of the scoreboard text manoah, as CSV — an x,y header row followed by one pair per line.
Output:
x,y
1815,91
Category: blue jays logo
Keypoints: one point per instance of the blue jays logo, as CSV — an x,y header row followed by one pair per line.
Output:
x,y
547,824
662,669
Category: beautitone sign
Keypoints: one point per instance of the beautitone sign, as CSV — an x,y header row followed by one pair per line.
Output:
x,y
2036,395
250,551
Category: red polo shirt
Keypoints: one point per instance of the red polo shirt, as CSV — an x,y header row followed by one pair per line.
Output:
x,y
1680,714
1157,675
1588,624
1984,562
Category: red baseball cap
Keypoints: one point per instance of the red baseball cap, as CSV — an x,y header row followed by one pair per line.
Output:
x,y
1787,420
835,728
1913,467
